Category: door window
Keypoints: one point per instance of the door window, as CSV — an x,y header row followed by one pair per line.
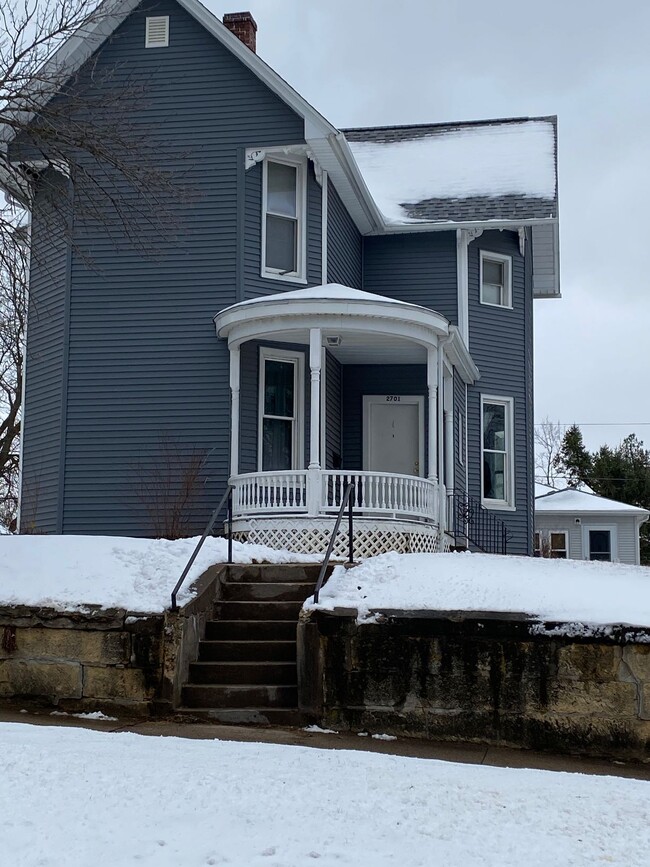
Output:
x,y
600,545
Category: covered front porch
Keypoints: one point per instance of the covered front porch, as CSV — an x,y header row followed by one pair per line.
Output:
x,y
331,386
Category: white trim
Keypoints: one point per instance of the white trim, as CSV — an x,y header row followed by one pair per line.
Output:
x,y
298,359
300,274
235,412
324,217
460,416
21,441
463,284
156,31
382,399
613,540
506,261
507,504
315,368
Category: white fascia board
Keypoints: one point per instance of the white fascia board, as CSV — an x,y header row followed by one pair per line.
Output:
x,y
451,225
460,357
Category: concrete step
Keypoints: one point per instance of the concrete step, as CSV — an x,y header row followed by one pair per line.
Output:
x,y
238,696
244,673
276,572
251,630
252,716
247,591
257,610
247,651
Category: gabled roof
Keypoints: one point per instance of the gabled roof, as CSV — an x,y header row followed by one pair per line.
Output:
x,y
572,500
454,172
349,160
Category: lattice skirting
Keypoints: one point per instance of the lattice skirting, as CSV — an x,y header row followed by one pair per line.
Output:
x,y
312,536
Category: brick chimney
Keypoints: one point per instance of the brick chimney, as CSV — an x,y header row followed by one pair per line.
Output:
x,y
243,26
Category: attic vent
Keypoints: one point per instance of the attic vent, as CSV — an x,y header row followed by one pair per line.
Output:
x,y
157,32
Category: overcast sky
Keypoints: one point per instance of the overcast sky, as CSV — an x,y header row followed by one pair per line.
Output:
x,y
374,62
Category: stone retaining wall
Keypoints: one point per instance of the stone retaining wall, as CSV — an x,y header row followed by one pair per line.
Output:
x,y
480,677
110,660
105,659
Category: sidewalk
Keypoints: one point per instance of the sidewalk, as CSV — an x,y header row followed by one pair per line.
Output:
x,y
476,754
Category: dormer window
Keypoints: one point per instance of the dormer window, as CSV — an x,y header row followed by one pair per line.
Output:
x,y
496,279
283,220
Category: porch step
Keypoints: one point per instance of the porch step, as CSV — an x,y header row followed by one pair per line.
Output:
x,y
247,651
275,573
246,670
249,716
254,610
249,630
249,673
266,591
234,696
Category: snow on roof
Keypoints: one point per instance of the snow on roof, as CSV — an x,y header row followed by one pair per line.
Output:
x,y
327,292
461,161
572,500
540,489
569,591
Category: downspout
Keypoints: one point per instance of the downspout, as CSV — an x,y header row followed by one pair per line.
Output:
x,y
442,492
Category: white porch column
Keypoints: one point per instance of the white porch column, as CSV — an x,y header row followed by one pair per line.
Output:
x,y
234,410
432,439
315,355
442,493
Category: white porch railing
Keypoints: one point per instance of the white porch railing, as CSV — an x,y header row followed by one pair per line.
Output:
x,y
320,492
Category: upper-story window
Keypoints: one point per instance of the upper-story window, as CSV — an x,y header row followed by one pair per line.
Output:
x,y
283,220
496,279
497,455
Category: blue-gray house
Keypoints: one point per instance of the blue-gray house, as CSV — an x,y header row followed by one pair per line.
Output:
x,y
335,305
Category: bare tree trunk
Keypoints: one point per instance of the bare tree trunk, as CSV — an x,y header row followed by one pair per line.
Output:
x,y
548,441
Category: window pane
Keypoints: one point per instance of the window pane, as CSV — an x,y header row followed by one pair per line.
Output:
x,y
494,426
281,244
281,189
558,542
491,294
600,546
492,272
494,487
536,546
278,388
277,435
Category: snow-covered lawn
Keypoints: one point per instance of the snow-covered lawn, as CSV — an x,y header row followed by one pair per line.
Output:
x,y
70,572
567,590
77,798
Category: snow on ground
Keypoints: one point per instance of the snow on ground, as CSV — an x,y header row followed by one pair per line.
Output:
x,y
566,590
77,797
72,572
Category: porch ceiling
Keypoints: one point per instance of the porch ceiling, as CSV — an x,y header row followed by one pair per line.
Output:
x,y
362,347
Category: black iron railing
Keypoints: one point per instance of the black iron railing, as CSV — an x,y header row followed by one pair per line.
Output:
x,y
347,501
227,496
472,522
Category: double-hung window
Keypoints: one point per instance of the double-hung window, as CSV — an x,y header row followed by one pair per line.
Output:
x,y
552,544
497,457
496,279
280,414
283,220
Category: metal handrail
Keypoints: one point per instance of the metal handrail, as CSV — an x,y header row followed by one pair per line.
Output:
x,y
227,496
473,522
346,501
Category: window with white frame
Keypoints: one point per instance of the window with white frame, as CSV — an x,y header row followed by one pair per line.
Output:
x,y
552,544
283,219
497,457
496,279
280,410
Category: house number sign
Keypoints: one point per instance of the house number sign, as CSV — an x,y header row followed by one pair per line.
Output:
x,y
393,398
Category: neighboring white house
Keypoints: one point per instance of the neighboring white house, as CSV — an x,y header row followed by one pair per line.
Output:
x,y
581,525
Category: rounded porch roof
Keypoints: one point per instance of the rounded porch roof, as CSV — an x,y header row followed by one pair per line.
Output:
x,y
331,307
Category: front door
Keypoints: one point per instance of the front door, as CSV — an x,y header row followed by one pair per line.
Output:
x,y
394,434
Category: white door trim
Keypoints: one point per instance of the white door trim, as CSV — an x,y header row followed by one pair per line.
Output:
x,y
613,539
402,399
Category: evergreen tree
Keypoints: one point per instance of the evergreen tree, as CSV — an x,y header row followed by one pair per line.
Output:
x,y
573,460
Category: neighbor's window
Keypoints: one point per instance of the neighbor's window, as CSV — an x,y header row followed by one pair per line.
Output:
x,y
600,545
496,279
497,453
558,545
283,220
280,411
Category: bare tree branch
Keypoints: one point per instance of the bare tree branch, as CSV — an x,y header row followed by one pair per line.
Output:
x,y
548,441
